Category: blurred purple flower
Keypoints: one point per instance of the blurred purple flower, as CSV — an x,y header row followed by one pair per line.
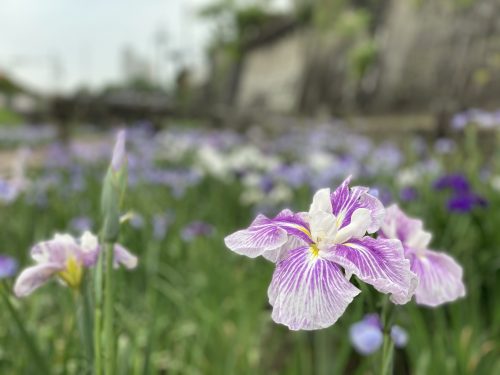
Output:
x,y
161,222
137,221
408,194
460,120
8,191
399,336
8,266
81,223
367,335
266,184
444,146
465,202
456,182
196,229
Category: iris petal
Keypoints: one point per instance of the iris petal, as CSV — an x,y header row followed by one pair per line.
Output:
x,y
34,277
440,278
377,262
269,237
308,292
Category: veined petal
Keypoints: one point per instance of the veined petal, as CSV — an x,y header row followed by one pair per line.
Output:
x,y
346,201
308,292
378,262
292,243
56,250
440,278
268,235
34,277
360,220
410,231
124,257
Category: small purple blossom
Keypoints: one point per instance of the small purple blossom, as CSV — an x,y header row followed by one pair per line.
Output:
x,y
137,221
196,229
8,266
408,194
399,336
8,191
316,252
440,276
456,182
81,224
367,335
465,202
161,222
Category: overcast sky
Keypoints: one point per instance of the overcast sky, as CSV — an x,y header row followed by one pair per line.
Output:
x,y
64,44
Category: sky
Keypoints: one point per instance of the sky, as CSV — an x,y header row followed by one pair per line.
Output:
x,y
61,45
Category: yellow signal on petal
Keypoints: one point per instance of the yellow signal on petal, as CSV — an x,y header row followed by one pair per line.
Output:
x,y
73,273
314,250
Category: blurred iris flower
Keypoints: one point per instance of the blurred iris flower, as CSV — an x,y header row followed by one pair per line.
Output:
x,y
196,229
8,266
367,335
65,258
440,276
463,199
309,289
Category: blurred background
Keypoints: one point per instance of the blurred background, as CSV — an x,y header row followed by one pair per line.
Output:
x,y
235,107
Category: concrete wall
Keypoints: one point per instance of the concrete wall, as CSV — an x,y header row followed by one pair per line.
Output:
x,y
271,74
432,54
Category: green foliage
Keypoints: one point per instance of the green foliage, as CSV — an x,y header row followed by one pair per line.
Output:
x,y
361,57
9,118
196,308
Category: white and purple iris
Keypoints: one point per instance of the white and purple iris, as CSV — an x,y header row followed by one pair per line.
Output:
x,y
66,258
440,276
316,252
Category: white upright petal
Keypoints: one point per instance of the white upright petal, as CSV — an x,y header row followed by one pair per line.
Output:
x,y
88,242
323,228
321,202
360,221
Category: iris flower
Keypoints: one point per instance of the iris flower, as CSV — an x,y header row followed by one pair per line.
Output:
x,y
440,276
367,335
316,252
66,258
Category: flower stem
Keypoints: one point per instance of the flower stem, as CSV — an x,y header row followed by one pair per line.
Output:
x,y
98,316
386,363
109,338
82,302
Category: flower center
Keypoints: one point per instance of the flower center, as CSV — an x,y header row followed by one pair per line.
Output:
x,y
314,250
73,273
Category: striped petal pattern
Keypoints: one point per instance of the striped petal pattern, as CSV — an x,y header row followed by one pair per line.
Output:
x,y
269,237
378,262
345,201
308,292
440,278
